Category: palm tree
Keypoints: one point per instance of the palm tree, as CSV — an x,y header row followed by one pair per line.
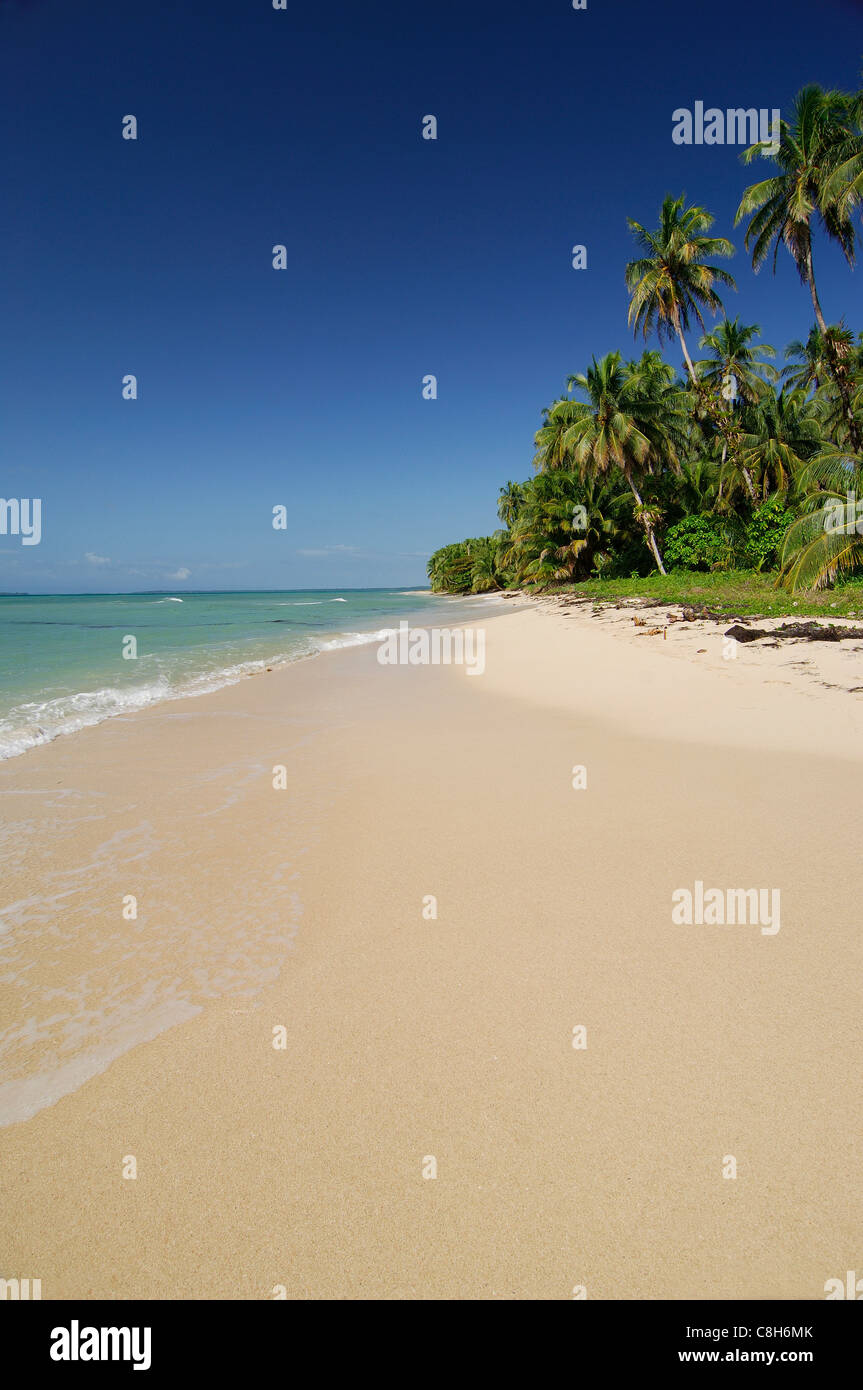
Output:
x,y
843,358
546,544
671,283
510,500
485,554
812,357
449,569
844,182
550,440
783,434
699,489
733,354
631,420
781,209
468,567
816,549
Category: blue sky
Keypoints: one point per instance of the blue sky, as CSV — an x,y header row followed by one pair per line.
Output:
x,y
303,387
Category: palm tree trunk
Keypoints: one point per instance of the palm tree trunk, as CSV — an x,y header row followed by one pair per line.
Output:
x,y
732,434
651,538
835,368
839,374
747,476
679,331
810,279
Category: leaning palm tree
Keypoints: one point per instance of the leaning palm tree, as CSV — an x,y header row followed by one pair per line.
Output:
x,y
782,209
672,283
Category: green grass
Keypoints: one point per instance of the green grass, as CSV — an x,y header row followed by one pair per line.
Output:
x,y
735,592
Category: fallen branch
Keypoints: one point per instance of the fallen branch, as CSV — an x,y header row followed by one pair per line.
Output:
x,y
801,632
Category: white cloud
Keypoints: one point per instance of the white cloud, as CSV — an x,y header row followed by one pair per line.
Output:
x,y
331,550
96,559
181,573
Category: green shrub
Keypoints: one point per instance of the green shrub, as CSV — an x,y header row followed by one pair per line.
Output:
x,y
703,542
765,532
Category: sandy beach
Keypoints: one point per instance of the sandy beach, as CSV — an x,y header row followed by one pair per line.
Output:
x,y
438,1038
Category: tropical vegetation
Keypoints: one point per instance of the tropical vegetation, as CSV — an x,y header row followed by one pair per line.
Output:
x,y
730,465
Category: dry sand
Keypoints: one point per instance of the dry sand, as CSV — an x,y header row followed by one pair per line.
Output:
x,y
409,1038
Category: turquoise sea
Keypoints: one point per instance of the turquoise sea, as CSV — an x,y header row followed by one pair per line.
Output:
x,y
61,656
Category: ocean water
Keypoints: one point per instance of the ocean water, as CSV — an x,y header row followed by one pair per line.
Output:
x,y
61,656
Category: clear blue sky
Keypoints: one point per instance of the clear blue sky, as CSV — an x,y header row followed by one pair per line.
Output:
x,y
406,257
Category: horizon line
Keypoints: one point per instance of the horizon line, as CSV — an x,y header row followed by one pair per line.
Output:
x,y
122,593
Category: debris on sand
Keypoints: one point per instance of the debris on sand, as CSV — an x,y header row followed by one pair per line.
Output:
x,y
800,632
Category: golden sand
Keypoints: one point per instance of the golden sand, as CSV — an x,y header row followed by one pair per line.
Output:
x,y
411,1037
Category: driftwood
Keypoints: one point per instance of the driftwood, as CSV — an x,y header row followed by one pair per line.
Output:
x,y
689,613
692,615
801,632
741,628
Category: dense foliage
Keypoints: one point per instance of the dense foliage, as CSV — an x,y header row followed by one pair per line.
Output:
x,y
732,464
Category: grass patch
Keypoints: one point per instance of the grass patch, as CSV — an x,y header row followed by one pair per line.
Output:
x,y
733,592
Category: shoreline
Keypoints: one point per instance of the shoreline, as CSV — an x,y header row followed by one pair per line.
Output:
x,y
150,726
143,697
409,1037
